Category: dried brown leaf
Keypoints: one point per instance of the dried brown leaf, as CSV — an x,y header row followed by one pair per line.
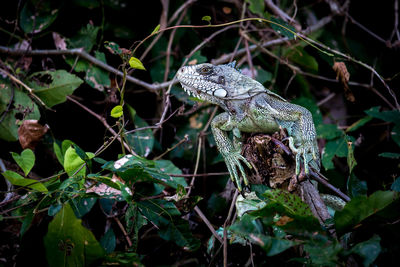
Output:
x,y
343,75
30,133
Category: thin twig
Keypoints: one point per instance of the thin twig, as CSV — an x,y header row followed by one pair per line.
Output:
x,y
323,180
128,240
183,140
82,53
208,224
104,122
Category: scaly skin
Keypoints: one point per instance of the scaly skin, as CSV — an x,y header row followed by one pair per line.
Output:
x,y
249,107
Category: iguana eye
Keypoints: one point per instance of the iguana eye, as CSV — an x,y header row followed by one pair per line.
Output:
x,y
205,70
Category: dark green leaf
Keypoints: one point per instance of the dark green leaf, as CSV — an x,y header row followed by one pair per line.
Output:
x,y
37,15
26,223
360,208
390,155
26,160
389,116
141,141
108,241
336,147
263,75
328,131
281,27
396,185
83,205
86,38
97,77
53,209
322,251
68,243
22,106
291,202
58,85
368,250
356,187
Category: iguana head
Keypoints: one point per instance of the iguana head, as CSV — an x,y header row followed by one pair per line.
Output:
x,y
217,84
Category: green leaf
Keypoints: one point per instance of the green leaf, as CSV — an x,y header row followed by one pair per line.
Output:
x,y
206,18
368,250
336,147
248,228
22,106
117,111
389,116
86,38
34,18
291,202
108,241
26,160
360,208
26,223
396,185
135,63
390,155
257,7
72,162
54,209
113,47
351,161
328,131
97,77
358,124
141,141
68,243
281,27
322,251
156,29
57,85
82,206
263,75
17,179
356,187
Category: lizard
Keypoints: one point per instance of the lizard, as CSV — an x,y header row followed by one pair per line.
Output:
x,y
249,107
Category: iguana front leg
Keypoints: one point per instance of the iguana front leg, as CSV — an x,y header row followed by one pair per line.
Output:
x,y
231,152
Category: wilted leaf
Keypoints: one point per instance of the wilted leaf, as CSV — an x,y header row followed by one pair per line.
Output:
x,y
26,160
113,47
135,63
343,75
56,86
59,41
30,133
68,243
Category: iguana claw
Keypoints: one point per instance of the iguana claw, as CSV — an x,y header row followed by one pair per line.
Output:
x,y
232,161
307,154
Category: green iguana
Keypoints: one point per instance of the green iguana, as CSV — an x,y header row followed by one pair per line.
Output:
x,y
249,107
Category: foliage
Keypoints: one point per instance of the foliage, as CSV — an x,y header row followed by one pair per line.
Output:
x,y
137,199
